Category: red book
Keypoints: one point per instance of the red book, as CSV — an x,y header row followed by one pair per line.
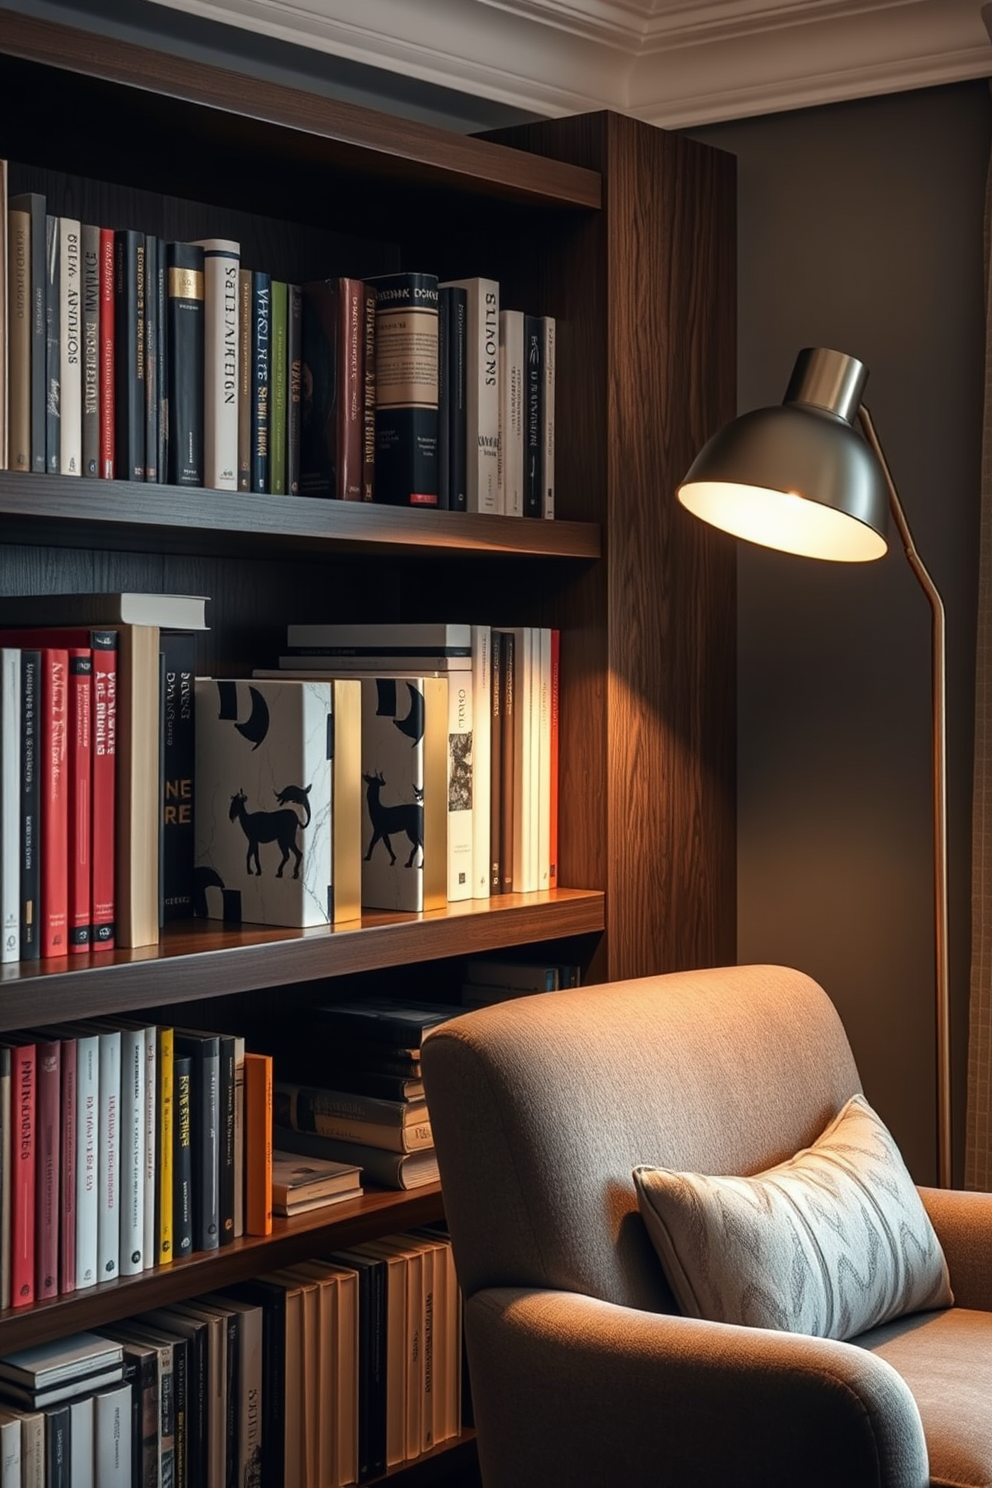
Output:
x,y
68,1142
80,763
332,393
107,353
53,778
47,1142
553,798
22,1178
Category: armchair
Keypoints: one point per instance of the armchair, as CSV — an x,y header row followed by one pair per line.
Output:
x,y
583,1371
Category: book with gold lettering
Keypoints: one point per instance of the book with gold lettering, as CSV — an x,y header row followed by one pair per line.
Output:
x,y
185,331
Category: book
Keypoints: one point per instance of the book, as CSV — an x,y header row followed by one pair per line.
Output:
x,y
58,1361
108,1151
406,363
159,293
511,412
178,766
108,358
203,1051
261,334
226,1155
533,487
129,354
48,1168
70,347
100,610
154,395
87,1162
452,403
372,1338
81,1443
549,328
245,376
482,399
131,1117
381,1165
7,1157
57,1461
221,348
400,1126
185,317
10,1450
149,1157
53,348
405,643
379,1018
509,665
542,729
32,1448
294,401
270,1298
10,803
553,765
90,252
30,928
332,408
30,207
182,1156
164,1141
239,1135
496,662
300,1181
481,759
277,801
279,388
515,975
54,800
211,1329
258,1144
189,1333
368,394
112,1456
4,326
247,1387
18,309
153,1358
79,765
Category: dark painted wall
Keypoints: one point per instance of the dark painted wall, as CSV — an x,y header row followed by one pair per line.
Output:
x,y
861,229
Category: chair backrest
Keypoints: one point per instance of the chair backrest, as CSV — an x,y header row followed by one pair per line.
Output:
x,y
543,1105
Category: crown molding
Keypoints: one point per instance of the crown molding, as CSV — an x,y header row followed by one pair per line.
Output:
x,y
675,63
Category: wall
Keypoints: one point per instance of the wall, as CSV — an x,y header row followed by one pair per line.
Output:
x,y
861,229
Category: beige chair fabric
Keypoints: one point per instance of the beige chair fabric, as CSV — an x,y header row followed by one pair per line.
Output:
x,y
582,1371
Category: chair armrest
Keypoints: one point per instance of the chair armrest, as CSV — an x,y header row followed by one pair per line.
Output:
x,y
963,1222
567,1388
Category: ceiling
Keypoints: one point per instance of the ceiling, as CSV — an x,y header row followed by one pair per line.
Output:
x,y
675,63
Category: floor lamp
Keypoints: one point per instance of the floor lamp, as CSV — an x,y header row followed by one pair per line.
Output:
x,y
800,477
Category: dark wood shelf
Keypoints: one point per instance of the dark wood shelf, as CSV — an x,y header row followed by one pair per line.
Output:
x,y
459,1455
377,1212
201,958
128,515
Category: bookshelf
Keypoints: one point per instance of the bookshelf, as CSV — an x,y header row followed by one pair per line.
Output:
x,y
626,235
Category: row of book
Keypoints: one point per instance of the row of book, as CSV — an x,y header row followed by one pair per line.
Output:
x,y
133,357
319,1375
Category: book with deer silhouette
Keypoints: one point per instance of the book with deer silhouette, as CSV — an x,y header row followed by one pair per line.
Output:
x,y
277,801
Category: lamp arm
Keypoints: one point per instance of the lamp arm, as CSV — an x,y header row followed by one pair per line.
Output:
x,y
938,723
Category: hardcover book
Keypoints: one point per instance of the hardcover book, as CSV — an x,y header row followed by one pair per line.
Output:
x,y
90,239
221,267
332,389
406,368
70,347
108,360
294,363
178,765
261,390
32,204
279,395
245,376
533,416
154,327
129,354
511,412
482,395
10,803
53,349
186,370
19,338
277,804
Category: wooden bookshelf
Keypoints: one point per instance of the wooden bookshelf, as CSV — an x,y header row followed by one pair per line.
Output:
x,y
626,235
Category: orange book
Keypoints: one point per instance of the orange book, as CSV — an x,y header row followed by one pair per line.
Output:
x,y
258,1144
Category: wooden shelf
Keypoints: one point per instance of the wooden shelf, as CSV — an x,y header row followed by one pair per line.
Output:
x,y
377,1212
68,512
201,958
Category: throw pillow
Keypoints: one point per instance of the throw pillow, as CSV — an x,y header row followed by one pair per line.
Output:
x,y
831,1242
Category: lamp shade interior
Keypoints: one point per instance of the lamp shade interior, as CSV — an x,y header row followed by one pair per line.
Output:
x,y
782,519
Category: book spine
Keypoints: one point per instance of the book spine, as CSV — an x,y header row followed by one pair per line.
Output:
x,y
482,393
524,773
508,768
57,1449
297,1105
31,706
70,347
109,1157
104,750
48,1077
19,337
132,1151
221,267
239,1136
54,801
186,332
7,1153
165,1144
153,247
496,763
459,401
533,416
129,354
226,1144
279,384
553,751
10,803
261,345
87,1159
179,759
33,204
511,412
79,759
481,760
461,786
90,245
205,1054
294,360
332,411
549,328
112,1454
542,705
245,377
368,392
159,289
149,1159
108,365
22,1198
406,389
258,1144
444,398
182,1210
69,1147
53,354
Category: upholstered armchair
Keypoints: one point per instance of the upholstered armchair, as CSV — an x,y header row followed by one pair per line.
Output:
x,y
584,1371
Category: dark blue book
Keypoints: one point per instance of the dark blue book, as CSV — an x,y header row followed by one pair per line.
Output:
x,y
261,388
185,331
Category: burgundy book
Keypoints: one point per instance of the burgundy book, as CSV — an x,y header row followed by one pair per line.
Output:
x,y
332,389
22,1174
80,765
67,1149
47,1212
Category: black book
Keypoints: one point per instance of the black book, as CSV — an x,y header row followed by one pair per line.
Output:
x,y
30,805
159,290
371,1360
261,387
185,330
203,1051
91,349
53,349
58,1422
174,1405
141,1371
406,468
129,354
533,415
456,412
387,1020
195,1333
225,1183
178,761
294,361
271,1297
153,471
34,204
443,398
182,1156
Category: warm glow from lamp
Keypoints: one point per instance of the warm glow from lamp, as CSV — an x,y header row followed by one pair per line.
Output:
x,y
784,520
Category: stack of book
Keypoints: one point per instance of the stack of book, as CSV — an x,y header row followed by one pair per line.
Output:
x,y
67,1413
489,979
349,1089
300,1184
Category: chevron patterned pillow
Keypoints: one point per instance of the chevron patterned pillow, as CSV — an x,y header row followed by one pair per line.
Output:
x,y
830,1243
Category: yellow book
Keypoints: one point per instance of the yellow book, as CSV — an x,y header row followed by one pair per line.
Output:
x,y
165,1141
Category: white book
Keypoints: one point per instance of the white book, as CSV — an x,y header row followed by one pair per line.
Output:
x,y
81,1443
524,774
10,1450
10,803
221,264
543,735
239,1135
71,347
482,400
132,1150
548,493
481,759
87,1159
328,664
511,413
149,1034
109,1159
112,1437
